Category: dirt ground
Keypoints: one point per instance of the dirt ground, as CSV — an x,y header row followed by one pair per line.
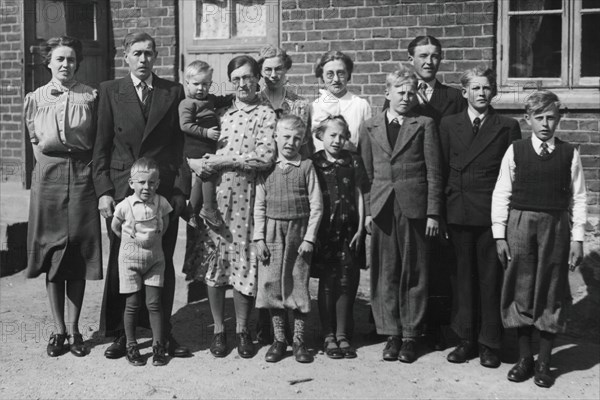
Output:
x,y
27,372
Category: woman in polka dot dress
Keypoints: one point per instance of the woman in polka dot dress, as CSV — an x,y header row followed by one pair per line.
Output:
x,y
224,257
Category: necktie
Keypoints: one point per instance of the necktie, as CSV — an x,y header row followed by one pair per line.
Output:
x,y
476,125
422,93
145,92
544,152
392,131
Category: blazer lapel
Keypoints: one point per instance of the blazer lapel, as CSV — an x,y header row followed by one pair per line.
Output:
x,y
129,101
487,133
464,130
409,128
161,99
379,133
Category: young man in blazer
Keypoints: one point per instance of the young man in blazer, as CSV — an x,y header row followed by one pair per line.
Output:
x,y
137,117
473,144
401,153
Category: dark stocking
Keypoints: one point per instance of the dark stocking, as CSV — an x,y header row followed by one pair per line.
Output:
x,y
243,306
216,299
155,312
524,338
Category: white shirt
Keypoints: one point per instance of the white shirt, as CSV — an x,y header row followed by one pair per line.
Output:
x,y
138,88
473,114
390,117
354,109
503,191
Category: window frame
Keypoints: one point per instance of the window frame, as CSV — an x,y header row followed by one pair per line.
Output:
x,y
574,91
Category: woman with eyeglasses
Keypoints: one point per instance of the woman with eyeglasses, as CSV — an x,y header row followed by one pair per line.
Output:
x,y
334,68
222,256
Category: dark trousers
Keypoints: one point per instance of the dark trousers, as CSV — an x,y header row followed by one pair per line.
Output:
x,y
399,273
478,281
113,303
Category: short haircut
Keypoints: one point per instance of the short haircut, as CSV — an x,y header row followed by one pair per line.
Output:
x,y
135,37
332,119
293,122
197,67
240,61
331,56
540,101
482,71
401,75
423,41
66,41
270,52
143,164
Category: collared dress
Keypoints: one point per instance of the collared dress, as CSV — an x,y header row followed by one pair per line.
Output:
x,y
63,237
292,104
226,256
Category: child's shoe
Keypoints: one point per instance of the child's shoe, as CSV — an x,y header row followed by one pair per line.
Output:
x,y
212,217
301,353
160,357
276,352
56,344
77,347
218,347
331,349
542,376
133,355
346,348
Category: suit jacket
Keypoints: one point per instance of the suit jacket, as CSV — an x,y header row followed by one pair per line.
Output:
x,y
124,136
471,168
445,100
411,170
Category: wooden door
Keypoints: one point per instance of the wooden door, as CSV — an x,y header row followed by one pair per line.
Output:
x,y
215,31
87,20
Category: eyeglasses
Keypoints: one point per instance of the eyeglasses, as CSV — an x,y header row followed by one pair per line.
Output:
x,y
269,71
246,78
340,74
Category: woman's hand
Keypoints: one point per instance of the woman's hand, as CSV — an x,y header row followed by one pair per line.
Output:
x,y
262,251
202,167
368,222
305,248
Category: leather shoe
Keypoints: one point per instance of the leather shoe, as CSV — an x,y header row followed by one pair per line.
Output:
x,y
159,357
56,344
542,376
408,351
331,349
245,346
462,353
301,353
392,348
488,357
347,350
522,370
276,352
118,349
218,347
134,357
175,349
77,347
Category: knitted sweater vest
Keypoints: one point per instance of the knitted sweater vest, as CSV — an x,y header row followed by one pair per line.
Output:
x,y
287,192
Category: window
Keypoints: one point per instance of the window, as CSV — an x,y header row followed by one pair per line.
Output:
x,y
550,44
225,19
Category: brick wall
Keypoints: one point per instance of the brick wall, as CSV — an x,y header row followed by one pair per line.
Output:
x,y
376,33
11,95
156,17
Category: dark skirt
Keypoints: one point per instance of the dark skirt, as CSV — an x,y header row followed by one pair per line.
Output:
x,y
63,236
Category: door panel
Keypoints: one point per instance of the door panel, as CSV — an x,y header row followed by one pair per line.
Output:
x,y
215,31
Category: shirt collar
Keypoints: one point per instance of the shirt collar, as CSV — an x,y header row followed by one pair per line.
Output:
x,y
537,143
282,161
430,85
390,117
136,81
245,107
136,199
56,84
473,114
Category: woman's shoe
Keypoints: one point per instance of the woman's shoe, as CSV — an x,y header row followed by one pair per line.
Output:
x,y
347,350
218,347
245,346
331,349
77,347
56,344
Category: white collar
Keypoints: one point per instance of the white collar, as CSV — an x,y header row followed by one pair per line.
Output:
x,y
285,161
430,84
473,114
537,143
136,199
136,81
390,116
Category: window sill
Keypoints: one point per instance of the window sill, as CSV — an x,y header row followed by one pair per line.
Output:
x,y
510,98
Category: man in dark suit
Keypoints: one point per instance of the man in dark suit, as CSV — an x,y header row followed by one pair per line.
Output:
x,y
137,117
401,153
473,144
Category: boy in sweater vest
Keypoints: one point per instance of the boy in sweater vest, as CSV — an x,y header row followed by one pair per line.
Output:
x,y
540,182
287,211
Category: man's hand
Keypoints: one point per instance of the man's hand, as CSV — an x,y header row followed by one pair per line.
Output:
x,y
106,206
178,203
432,228
575,255
503,252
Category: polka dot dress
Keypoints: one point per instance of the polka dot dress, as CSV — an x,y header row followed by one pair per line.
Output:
x,y
226,256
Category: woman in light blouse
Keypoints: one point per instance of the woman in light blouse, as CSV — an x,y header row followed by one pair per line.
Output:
x,y
226,256
63,238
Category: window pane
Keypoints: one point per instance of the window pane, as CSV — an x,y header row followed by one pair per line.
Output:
x,y
535,46
251,18
590,56
535,5
590,4
213,19
81,20
50,19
